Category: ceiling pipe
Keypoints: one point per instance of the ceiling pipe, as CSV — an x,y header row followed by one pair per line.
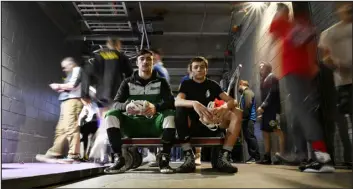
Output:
x,y
100,38
144,26
195,33
142,40
132,18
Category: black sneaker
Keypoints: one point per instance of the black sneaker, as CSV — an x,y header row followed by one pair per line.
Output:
x,y
189,165
305,162
266,160
322,164
223,163
348,165
118,165
163,161
251,161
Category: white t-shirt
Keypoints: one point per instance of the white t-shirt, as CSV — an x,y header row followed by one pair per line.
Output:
x,y
71,78
338,39
89,110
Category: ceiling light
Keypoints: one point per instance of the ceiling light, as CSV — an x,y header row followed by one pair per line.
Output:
x,y
257,5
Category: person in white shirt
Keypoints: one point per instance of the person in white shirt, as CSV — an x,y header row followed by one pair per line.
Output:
x,y
88,122
336,44
67,128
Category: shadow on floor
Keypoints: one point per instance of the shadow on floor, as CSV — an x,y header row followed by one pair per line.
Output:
x,y
207,172
341,179
69,182
212,172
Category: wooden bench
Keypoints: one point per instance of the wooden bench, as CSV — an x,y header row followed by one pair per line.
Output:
x,y
133,158
156,142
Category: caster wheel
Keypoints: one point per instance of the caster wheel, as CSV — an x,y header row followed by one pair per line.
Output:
x,y
214,156
129,159
137,156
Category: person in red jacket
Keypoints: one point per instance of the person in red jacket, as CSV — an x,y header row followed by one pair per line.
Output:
x,y
298,72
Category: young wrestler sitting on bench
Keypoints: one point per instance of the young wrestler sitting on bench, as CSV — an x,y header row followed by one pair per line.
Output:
x,y
206,119
143,108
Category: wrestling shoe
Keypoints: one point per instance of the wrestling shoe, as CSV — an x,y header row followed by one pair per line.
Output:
x,y
118,165
322,164
223,163
163,161
189,165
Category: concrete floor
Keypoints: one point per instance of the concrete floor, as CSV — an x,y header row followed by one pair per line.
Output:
x,y
249,176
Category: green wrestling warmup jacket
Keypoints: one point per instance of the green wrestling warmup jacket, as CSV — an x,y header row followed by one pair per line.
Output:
x,y
156,90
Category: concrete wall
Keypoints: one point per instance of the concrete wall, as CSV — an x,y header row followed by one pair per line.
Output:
x,y
255,46
32,48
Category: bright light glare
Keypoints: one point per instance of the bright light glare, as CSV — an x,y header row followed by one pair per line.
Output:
x,y
257,5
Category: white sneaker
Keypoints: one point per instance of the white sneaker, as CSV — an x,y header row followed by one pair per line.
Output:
x,y
198,159
149,158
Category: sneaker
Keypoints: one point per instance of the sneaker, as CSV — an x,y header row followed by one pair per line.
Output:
x,y
266,160
73,159
305,162
153,164
223,163
251,161
149,158
189,164
348,164
198,159
288,159
276,161
164,167
118,165
49,159
322,164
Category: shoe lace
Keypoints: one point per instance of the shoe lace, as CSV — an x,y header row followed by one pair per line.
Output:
x,y
188,160
225,158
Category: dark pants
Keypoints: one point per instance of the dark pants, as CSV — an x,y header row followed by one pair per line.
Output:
x,y
250,138
335,104
303,101
197,129
344,118
86,130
